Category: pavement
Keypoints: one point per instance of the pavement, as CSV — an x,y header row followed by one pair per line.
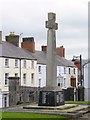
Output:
x,y
71,111
85,117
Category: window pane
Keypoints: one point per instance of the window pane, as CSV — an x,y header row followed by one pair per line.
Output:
x,y
74,70
6,62
64,70
24,63
16,74
69,70
39,69
39,82
16,63
32,64
6,78
24,78
32,77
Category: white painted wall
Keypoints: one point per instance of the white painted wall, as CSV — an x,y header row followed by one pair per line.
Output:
x,y
41,75
12,70
28,70
63,76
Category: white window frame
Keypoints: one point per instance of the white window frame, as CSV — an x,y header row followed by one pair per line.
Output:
x,y
64,82
16,63
6,62
24,78
64,70
39,69
39,82
74,71
32,78
16,74
6,78
24,63
32,64
69,71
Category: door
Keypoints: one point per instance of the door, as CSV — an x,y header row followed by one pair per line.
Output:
x,y
5,100
73,82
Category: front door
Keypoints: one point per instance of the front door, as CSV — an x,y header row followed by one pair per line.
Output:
x,y
73,82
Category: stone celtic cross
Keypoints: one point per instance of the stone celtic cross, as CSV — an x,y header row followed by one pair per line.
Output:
x,y
51,70
51,94
50,24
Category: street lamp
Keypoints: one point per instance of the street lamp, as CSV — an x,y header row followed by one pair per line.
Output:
x,y
80,58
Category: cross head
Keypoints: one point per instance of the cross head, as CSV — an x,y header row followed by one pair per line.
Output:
x,y
50,24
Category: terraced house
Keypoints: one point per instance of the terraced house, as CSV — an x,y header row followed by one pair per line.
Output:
x,y
66,71
15,62
23,70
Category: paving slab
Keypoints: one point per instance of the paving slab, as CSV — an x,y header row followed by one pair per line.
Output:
x,y
71,111
62,107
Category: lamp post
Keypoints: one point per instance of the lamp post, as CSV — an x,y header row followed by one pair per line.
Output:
x,y
80,58
80,89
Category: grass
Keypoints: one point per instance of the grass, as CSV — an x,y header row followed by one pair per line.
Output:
x,y
78,102
23,116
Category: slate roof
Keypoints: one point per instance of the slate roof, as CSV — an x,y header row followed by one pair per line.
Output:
x,y
61,61
64,62
9,50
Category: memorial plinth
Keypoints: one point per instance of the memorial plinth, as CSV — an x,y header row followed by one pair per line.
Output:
x,y
51,95
51,98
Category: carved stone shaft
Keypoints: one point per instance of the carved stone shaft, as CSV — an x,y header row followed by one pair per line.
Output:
x,y
51,70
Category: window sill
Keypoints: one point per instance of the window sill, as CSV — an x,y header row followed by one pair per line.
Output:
x,y
6,66
6,85
24,68
32,68
40,73
16,67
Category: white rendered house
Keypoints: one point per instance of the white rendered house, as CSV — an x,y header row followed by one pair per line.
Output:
x,y
15,62
63,77
66,71
30,66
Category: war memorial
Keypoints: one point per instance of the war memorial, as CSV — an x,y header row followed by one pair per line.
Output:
x,y
51,95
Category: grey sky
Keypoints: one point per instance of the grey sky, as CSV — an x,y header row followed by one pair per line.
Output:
x,y
29,16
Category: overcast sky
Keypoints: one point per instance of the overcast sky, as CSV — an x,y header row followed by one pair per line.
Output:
x,y
29,16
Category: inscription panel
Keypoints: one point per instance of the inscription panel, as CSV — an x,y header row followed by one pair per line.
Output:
x,y
51,98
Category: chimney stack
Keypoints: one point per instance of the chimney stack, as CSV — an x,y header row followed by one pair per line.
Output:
x,y
77,63
12,38
28,44
60,51
0,36
44,48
